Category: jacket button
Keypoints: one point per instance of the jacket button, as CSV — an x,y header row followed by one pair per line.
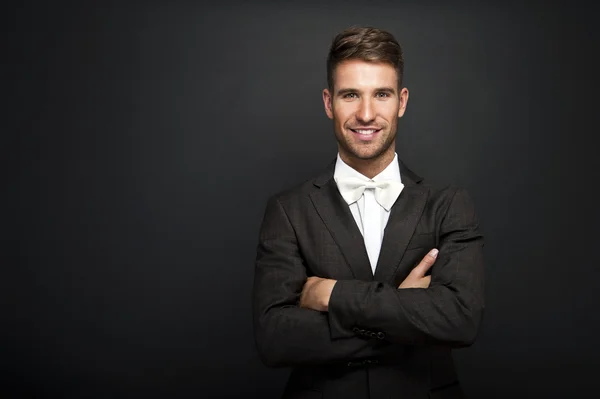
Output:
x,y
380,335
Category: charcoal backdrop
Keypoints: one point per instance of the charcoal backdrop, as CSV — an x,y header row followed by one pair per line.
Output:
x,y
142,139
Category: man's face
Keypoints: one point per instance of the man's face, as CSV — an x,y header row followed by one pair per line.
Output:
x,y
365,106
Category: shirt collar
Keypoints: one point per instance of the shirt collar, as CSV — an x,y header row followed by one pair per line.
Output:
x,y
391,172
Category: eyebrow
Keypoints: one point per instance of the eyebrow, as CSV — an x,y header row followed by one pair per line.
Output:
x,y
341,92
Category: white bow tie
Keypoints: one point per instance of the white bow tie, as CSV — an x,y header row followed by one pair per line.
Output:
x,y
386,192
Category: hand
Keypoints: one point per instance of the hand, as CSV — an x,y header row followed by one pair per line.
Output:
x,y
417,277
316,293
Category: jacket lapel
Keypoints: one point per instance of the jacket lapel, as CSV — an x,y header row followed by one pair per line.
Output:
x,y
336,215
404,217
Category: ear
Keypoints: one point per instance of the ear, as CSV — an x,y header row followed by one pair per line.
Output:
x,y
327,98
403,101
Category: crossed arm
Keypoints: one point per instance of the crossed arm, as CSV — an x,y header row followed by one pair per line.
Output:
x,y
301,321
317,290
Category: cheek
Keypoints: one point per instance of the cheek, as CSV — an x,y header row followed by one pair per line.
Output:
x,y
387,117
342,115
393,112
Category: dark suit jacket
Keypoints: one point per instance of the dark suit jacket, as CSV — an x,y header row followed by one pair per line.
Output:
x,y
376,341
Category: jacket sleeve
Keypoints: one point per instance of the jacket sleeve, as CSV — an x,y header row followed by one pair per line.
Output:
x,y
446,313
286,334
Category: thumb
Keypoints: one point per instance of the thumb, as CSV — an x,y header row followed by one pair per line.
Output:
x,y
426,263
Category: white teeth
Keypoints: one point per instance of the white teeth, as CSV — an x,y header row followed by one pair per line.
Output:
x,y
362,131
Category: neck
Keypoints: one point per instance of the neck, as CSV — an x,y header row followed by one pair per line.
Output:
x,y
369,167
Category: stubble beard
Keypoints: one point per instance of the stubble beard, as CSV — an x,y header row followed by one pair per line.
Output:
x,y
352,151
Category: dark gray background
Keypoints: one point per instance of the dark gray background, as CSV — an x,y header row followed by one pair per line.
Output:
x,y
142,140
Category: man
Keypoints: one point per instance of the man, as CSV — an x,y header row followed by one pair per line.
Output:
x,y
366,276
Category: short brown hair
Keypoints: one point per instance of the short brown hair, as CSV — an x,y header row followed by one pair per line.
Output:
x,y
366,44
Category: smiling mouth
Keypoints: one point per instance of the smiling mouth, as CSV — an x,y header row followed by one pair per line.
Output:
x,y
365,132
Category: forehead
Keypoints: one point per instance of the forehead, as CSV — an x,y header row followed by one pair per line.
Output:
x,y
364,75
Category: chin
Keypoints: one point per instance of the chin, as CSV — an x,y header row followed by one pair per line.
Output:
x,y
365,156
372,150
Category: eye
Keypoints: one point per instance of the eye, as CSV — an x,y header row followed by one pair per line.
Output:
x,y
382,94
350,95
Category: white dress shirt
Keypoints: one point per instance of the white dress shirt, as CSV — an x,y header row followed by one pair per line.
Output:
x,y
370,217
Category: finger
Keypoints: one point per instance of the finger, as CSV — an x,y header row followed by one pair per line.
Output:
x,y
426,263
312,280
426,281
310,283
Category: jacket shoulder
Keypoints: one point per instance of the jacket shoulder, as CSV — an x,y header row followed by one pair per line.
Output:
x,y
295,192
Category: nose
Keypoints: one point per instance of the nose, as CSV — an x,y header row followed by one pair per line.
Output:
x,y
365,112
